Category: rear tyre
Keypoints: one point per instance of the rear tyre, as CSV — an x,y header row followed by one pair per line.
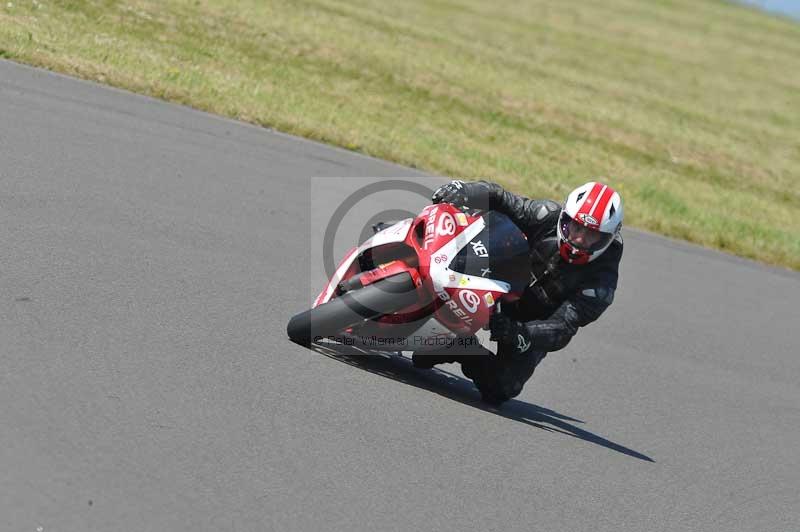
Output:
x,y
352,308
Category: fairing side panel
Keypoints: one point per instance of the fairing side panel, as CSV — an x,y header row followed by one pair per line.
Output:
x,y
391,235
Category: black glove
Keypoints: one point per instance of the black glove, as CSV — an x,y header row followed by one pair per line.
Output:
x,y
509,332
463,194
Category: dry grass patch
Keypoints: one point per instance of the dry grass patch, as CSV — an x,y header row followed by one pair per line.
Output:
x,y
691,107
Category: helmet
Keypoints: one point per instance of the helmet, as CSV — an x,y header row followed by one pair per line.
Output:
x,y
590,220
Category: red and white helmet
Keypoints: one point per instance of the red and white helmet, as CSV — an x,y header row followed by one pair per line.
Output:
x,y
590,220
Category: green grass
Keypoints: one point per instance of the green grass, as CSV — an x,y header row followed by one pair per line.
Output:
x,y
690,107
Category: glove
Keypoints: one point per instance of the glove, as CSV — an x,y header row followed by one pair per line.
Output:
x,y
463,194
509,332
453,192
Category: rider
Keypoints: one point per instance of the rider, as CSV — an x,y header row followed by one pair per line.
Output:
x,y
575,251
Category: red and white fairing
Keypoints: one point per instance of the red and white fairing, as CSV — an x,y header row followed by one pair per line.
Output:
x,y
461,304
349,265
468,300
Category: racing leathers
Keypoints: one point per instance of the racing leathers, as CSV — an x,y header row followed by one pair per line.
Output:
x,y
560,298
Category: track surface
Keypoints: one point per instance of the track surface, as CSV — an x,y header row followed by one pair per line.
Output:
x,y
151,256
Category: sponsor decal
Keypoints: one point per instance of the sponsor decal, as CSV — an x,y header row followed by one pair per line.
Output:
x,y
464,281
438,259
522,344
453,306
484,271
430,228
588,220
446,225
470,300
479,249
458,311
461,219
488,298
452,277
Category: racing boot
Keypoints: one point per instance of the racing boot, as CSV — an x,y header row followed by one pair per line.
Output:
x,y
500,378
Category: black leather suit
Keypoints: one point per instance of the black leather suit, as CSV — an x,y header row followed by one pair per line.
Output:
x,y
561,298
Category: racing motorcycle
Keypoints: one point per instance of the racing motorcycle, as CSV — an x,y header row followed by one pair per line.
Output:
x,y
420,283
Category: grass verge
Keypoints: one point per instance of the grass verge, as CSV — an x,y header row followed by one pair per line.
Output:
x,y
690,107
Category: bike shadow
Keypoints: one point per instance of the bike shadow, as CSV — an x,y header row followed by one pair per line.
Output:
x,y
457,388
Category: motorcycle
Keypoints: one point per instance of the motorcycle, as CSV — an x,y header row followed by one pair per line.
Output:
x,y
420,283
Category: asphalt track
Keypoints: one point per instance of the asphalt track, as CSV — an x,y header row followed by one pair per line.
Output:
x,y
151,256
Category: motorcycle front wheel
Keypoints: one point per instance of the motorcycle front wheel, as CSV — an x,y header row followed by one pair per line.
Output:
x,y
352,308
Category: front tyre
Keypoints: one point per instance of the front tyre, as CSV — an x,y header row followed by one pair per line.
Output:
x,y
352,308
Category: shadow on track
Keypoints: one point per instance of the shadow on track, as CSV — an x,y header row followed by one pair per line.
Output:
x,y
462,390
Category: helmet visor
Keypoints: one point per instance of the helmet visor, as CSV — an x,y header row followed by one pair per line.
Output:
x,y
581,237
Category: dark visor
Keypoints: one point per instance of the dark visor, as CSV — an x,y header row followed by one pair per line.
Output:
x,y
582,237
